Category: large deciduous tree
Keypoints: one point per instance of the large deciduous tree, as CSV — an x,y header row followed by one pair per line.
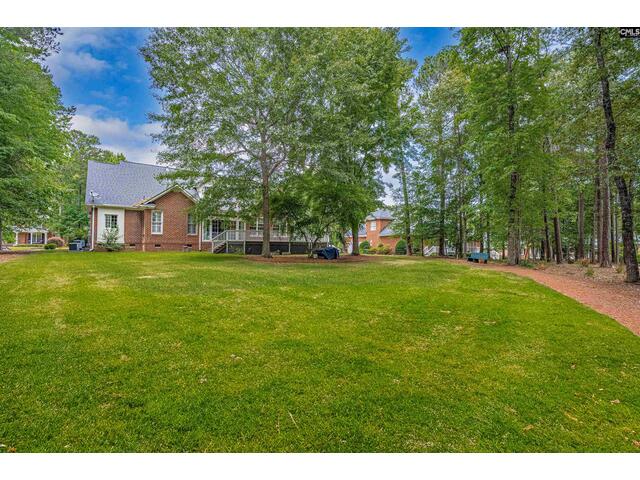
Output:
x,y
32,127
232,101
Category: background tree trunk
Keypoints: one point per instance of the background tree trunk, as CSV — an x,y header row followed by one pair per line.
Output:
x,y
547,241
580,245
266,218
612,234
558,239
441,239
407,211
628,244
596,220
355,239
605,259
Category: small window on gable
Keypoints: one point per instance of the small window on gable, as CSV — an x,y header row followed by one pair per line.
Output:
x,y
191,224
374,225
156,222
110,221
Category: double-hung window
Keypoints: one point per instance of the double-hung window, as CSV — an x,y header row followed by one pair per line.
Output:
x,y
156,222
374,225
110,221
191,224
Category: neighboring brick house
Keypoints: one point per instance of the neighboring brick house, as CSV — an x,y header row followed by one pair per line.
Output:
x,y
31,236
377,229
155,214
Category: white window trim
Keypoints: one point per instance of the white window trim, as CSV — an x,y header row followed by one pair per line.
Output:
x,y
374,225
110,216
161,222
195,225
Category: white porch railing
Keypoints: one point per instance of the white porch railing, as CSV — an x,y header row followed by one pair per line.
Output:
x,y
256,236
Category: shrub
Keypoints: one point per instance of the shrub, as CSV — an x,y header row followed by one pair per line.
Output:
x,y
589,272
584,262
372,250
401,247
365,246
110,240
384,250
57,240
620,268
50,246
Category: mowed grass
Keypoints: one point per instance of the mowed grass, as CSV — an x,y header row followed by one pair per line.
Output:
x,y
200,352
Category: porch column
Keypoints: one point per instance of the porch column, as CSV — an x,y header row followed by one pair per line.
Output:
x,y
46,235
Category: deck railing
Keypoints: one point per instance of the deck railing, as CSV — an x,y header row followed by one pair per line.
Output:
x,y
256,236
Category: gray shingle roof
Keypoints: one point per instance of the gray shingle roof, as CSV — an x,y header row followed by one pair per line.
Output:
x,y
388,231
362,232
380,215
125,183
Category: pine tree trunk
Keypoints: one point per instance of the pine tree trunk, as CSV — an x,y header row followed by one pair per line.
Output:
x,y
605,259
547,241
596,221
407,211
612,242
626,205
441,239
580,245
488,235
558,239
628,244
513,248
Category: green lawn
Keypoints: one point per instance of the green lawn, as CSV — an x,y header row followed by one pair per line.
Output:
x,y
201,352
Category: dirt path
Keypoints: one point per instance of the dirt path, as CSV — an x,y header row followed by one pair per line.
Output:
x,y
7,257
606,294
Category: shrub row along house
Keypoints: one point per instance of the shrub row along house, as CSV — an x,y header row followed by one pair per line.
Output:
x,y
150,213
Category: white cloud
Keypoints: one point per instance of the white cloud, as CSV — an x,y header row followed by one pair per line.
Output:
x,y
74,58
117,135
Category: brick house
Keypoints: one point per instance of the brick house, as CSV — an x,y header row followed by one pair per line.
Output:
x,y
154,214
377,229
31,236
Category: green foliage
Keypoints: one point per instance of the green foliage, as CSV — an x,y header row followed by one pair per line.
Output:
x,y
50,246
32,127
401,247
110,240
72,221
246,110
365,246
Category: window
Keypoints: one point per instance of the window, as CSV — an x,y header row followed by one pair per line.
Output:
x,y
110,221
374,225
156,222
37,237
191,224
206,231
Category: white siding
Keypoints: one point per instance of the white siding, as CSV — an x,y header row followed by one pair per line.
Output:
x,y
101,212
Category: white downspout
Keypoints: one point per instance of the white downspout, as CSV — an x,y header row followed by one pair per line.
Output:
x,y
93,214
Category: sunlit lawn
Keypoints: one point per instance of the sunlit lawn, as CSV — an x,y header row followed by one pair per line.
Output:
x,y
201,352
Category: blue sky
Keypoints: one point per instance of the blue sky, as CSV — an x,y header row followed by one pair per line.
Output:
x,y
102,74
